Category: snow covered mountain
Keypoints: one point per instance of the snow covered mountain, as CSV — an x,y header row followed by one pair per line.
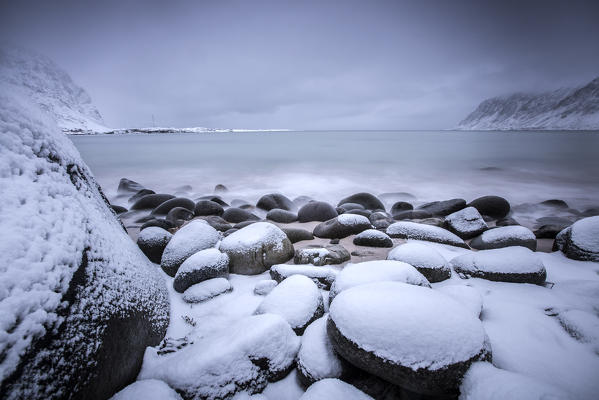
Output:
x,y
563,109
51,88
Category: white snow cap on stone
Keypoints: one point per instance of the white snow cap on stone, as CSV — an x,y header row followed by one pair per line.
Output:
x,y
585,234
512,259
206,290
333,389
208,258
352,219
372,234
414,326
265,286
418,254
417,231
253,236
147,389
466,220
311,271
316,357
153,235
507,232
195,236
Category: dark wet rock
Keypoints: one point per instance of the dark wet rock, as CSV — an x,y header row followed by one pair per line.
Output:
x,y
505,236
299,201
554,221
555,203
152,242
414,214
220,189
369,201
373,238
297,234
507,221
208,207
351,206
151,201
316,211
590,212
434,221
275,200
466,223
401,206
216,222
179,215
493,206
317,255
548,231
380,220
443,208
229,231
127,186
430,233
118,209
342,226
145,218
140,194
216,199
201,266
243,224
581,240
281,216
236,215
159,222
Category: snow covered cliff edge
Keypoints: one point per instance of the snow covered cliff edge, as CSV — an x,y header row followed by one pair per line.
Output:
x,y
563,109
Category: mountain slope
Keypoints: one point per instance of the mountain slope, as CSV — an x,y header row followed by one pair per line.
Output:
x,y
563,109
51,88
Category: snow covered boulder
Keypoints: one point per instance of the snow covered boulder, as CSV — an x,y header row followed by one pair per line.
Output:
x,y
509,264
366,200
330,254
79,302
483,381
265,286
243,356
147,389
191,238
297,300
373,238
505,236
330,389
316,211
581,240
430,233
206,290
342,226
255,248
323,277
376,271
203,265
152,242
424,258
466,223
412,336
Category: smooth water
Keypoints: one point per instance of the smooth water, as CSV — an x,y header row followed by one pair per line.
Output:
x,y
432,165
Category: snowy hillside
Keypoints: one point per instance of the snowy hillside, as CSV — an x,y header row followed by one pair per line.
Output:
x,y
568,109
51,88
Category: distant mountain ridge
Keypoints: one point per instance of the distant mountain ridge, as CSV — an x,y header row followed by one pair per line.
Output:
x,y
563,109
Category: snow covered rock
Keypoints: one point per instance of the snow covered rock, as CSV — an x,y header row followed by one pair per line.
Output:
x,y
203,265
424,258
376,271
380,220
581,240
297,299
152,242
342,226
329,389
79,301
505,236
195,236
367,200
330,254
466,223
206,290
483,381
443,208
275,200
316,211
373,238
255,248
147,389
317,359
466,295
492,206
412,336
509,264
430,233
323,277
265,286
244,356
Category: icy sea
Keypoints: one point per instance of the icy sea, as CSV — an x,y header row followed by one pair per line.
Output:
x,y
431,165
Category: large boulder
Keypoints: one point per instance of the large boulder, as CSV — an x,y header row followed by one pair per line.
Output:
x,y
443,208
412,336
79,301
581,240
237,215
493,206
429,233
367,200
275,200
401,206
505,236
509,264
316,211
466,223
179,215
208,207
424,258
152,241
245,355
195,236
297,299
342,226
201,266
257,247
327,255
281,216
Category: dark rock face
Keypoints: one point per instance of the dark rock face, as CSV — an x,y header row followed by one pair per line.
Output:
x,y
579,241
243,224
328,255
401,206
127,186
282,216
336,228
367,200
493,206
168,205
350,206
178,215
380,220
152,242
140,194
161,223
556,203
118,209
443,208
208,207
151,201
297,234
236,215
316,211
507,221
415,214
548,231
275,200
216,222
216,199
373,238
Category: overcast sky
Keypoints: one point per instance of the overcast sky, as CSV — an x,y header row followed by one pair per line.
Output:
x,y
304,64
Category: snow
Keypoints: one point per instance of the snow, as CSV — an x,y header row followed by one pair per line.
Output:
x,y
483,381
206,290
317,274
209,263
507,232
413,230
466,295
371,234
352,219
254,236
265,286
409,325
148,389
582,325
466,220
297,299
376,271
330,389
217,365
316,358
506,260
585,234
418,254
